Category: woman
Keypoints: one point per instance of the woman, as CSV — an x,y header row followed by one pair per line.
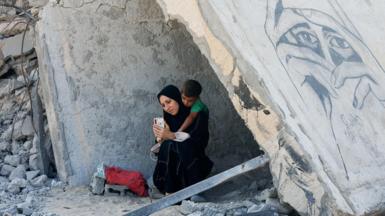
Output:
x,y
180,164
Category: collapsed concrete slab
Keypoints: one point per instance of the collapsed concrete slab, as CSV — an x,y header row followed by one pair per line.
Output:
x,y
101,65
316,67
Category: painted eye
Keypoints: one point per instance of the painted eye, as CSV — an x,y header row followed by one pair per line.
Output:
x,y
339,43
307,39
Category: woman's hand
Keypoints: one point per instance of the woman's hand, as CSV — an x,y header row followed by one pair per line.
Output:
x,y
163,133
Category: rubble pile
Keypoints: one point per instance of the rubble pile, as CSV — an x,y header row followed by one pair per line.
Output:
x,y
263,203
22,180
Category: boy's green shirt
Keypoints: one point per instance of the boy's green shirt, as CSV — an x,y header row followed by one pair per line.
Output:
x,y
199,106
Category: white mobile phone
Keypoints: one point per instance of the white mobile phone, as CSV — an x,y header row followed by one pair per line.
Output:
x,y
159,121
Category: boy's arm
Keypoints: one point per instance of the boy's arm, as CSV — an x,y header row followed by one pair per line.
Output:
x,y
188,121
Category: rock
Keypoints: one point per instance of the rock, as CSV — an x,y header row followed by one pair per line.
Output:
x,y
7,134
15,147
18,172
4,146
3,179
275,205
12,160
265,194
58,184
30,199
27,145
19,182
23,128
97,185
189,207
25,208
16,184
6,170
255,208
39,181
3,186
27,129
12,210
239,211
24,156
211,211
33,163
32,174
7,122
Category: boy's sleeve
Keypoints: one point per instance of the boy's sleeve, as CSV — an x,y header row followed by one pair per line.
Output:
x,y
197,107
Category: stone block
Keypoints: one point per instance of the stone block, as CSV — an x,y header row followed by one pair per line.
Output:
x,y
13,160
5,146
33,163
276,205
39,181
27,129
265,194
18,172
25,208
97,185
3,179
32,174
16,184
6,170
27,145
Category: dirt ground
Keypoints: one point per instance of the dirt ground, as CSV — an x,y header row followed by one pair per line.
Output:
x,y
79,201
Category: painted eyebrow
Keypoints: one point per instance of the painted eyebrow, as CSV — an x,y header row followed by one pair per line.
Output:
x,y
300,25
290,31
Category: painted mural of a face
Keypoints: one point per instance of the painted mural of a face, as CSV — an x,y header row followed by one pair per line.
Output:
x,y
330,61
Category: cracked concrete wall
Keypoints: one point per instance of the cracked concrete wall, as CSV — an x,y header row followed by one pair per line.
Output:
x,y
316,68
101,66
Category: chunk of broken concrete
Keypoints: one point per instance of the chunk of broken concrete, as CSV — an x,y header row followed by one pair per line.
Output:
x,y
39,181
32,174
18,172
97,185
25,208
265,194
12,160
27,127
4,146
6,170
16,184
276,205
33,163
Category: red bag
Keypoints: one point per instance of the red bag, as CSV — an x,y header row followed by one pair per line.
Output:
x,y
132,179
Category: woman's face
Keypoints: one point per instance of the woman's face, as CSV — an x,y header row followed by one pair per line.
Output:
x,y
169,105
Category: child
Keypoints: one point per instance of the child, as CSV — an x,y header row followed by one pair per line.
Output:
x,y
190,97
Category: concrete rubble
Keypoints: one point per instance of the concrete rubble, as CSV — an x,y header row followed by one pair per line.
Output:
x,y
300,81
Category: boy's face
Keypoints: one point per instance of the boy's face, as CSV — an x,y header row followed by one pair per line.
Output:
x,y
188,101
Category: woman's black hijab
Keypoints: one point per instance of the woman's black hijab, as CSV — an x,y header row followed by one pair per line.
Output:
x,y
176,121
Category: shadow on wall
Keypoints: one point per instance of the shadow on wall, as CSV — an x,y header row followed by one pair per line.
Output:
x,y
231,142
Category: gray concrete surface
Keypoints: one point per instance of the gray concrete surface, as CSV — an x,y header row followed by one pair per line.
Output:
x,y
101,66
317,66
